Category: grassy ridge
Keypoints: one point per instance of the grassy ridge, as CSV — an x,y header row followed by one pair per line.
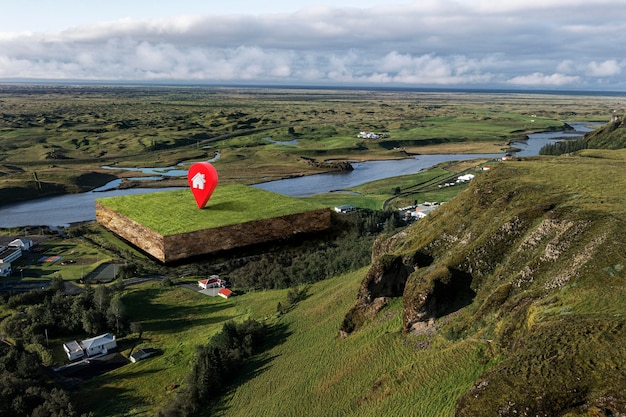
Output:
x,y
542,242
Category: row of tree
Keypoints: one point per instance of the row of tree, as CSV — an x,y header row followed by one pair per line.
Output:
x,y
25,390
317,260
563,147
216,366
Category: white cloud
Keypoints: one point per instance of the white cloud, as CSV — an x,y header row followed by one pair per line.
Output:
x,y
540,79
604,69
431,42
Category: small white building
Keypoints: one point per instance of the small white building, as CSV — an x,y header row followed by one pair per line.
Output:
x,y
213,281
73,350
345,209
465,178
23,244
142,354
5,269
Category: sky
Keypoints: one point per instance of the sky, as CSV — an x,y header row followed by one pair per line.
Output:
x,y
501,44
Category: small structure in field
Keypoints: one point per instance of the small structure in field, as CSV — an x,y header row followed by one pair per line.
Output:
x,y
345,209
225,293
142,354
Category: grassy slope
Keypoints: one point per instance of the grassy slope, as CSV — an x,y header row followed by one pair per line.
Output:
x,y
377,372
311,372
175,320
546,252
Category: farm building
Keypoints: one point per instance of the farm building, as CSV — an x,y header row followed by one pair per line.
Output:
x,y
225,293
345,209
213,281
142,354
90,347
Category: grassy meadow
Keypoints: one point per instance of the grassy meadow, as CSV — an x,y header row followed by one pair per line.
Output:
x,y
306,369
174,212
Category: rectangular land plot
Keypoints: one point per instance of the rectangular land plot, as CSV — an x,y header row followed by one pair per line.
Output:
x,y
170,226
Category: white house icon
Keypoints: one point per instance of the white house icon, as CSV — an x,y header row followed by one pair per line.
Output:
x,y
198,181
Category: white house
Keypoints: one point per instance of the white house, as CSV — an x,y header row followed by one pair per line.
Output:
x,y
214,281
465,178
345,209
99,344
9,254
418,214
5,269
23,244
73,350
198,181
90,347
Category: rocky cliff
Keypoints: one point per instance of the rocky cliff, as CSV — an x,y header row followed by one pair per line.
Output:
x,y
529,261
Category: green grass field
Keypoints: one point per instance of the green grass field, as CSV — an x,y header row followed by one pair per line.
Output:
x,y
173,212
308,370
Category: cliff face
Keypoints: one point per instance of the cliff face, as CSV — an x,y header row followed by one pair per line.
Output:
x,y
529,262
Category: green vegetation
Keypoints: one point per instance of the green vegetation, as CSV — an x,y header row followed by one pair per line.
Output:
x,y
508,300
610,136
55,140
543,261
173,212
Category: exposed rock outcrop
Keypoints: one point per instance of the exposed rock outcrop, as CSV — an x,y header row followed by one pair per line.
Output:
x,y
525,259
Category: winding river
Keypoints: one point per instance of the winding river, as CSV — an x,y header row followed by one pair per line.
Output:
x,y
63,210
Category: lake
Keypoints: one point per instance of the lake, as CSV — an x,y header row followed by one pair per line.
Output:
x,y
61,211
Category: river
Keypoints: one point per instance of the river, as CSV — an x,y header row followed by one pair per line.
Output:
x,y
63,210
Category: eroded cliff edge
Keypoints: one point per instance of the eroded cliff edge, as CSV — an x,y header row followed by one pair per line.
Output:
x,y
529,262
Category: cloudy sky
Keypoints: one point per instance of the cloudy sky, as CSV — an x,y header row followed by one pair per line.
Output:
x,y
510,44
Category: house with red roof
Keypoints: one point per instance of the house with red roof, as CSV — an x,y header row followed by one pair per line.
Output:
x,y
213,281
225,292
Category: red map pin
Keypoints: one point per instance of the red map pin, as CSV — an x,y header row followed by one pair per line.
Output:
x,y
202,179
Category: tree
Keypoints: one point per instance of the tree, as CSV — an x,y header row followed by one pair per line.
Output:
x,y
136,327
116,312
101,299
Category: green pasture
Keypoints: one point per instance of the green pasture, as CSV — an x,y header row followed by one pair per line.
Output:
x,y
306,369
173,212
77,259
174,320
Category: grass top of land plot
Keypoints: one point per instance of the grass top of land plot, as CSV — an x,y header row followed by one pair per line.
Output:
x,y
173,212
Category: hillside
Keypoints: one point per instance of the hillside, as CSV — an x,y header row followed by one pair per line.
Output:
x,y
610,136
529,264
